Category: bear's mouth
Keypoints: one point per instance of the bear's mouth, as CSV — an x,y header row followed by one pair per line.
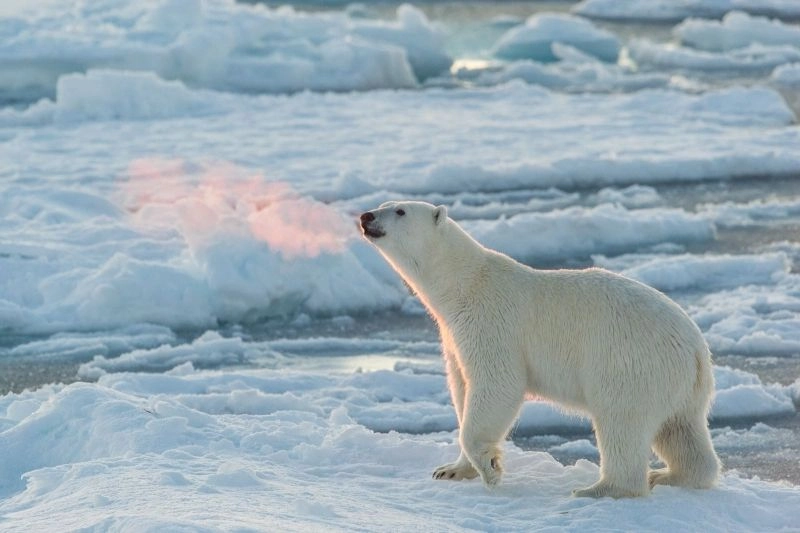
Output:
x,y
370,231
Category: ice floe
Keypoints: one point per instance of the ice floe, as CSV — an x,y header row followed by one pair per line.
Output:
x,y
670,11
736,30
535,38
220,44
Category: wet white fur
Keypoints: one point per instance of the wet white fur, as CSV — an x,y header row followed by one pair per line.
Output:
x,y
590,340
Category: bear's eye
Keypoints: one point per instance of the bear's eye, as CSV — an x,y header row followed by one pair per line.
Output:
x,y
400,212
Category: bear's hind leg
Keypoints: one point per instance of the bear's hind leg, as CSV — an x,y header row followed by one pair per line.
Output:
x,y
684,443
624,456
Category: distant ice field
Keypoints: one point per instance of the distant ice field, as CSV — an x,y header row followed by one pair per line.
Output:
x,y
186,303
187,225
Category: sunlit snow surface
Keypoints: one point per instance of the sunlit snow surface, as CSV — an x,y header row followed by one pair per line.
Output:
x,y
268,451
178,197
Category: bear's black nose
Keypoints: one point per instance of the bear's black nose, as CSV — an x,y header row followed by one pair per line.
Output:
x,y
367,217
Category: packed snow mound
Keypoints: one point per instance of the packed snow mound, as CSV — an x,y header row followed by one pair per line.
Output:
x,y
192,245
742,395
221,45
414,34
256,249
534,39
115,95
736,30
673,11
119,95
107,95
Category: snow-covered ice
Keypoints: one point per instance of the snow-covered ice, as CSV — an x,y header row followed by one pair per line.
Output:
x,y
219,44
682,272
534,39
179,186
191,244
574,72
736,30
672,10
752,58
786,78
204,451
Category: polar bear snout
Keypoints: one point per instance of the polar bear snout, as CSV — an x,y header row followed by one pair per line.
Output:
x,y
370,226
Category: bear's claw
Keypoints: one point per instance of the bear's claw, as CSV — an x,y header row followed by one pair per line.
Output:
x,y
455,471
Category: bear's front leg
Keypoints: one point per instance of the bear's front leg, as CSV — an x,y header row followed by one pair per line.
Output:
x,y
462,468
490,410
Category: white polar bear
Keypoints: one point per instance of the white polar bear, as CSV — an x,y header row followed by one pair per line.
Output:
x,y
590,340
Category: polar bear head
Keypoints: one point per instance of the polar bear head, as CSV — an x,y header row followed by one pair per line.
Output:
x,y
406,233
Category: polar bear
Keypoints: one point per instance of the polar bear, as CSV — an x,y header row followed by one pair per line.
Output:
x,y
590,340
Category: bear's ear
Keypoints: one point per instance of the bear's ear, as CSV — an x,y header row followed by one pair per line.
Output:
x,y
439,214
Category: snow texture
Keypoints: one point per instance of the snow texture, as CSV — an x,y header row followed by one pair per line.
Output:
x,y
265,450
178,193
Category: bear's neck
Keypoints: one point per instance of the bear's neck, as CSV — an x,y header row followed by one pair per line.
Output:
x,y
447,277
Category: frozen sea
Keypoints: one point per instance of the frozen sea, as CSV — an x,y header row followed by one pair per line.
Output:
x,y
194,337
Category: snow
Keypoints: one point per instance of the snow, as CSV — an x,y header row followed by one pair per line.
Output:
x,y
212,242
729,214
577,232
276,449
740,394
670,10
788,75
753,319
535,38
760,434
574,72
576,447
682,272
79,345
735,30
786,78
750,303
121,95
753,58
178,197
409,397
220,44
